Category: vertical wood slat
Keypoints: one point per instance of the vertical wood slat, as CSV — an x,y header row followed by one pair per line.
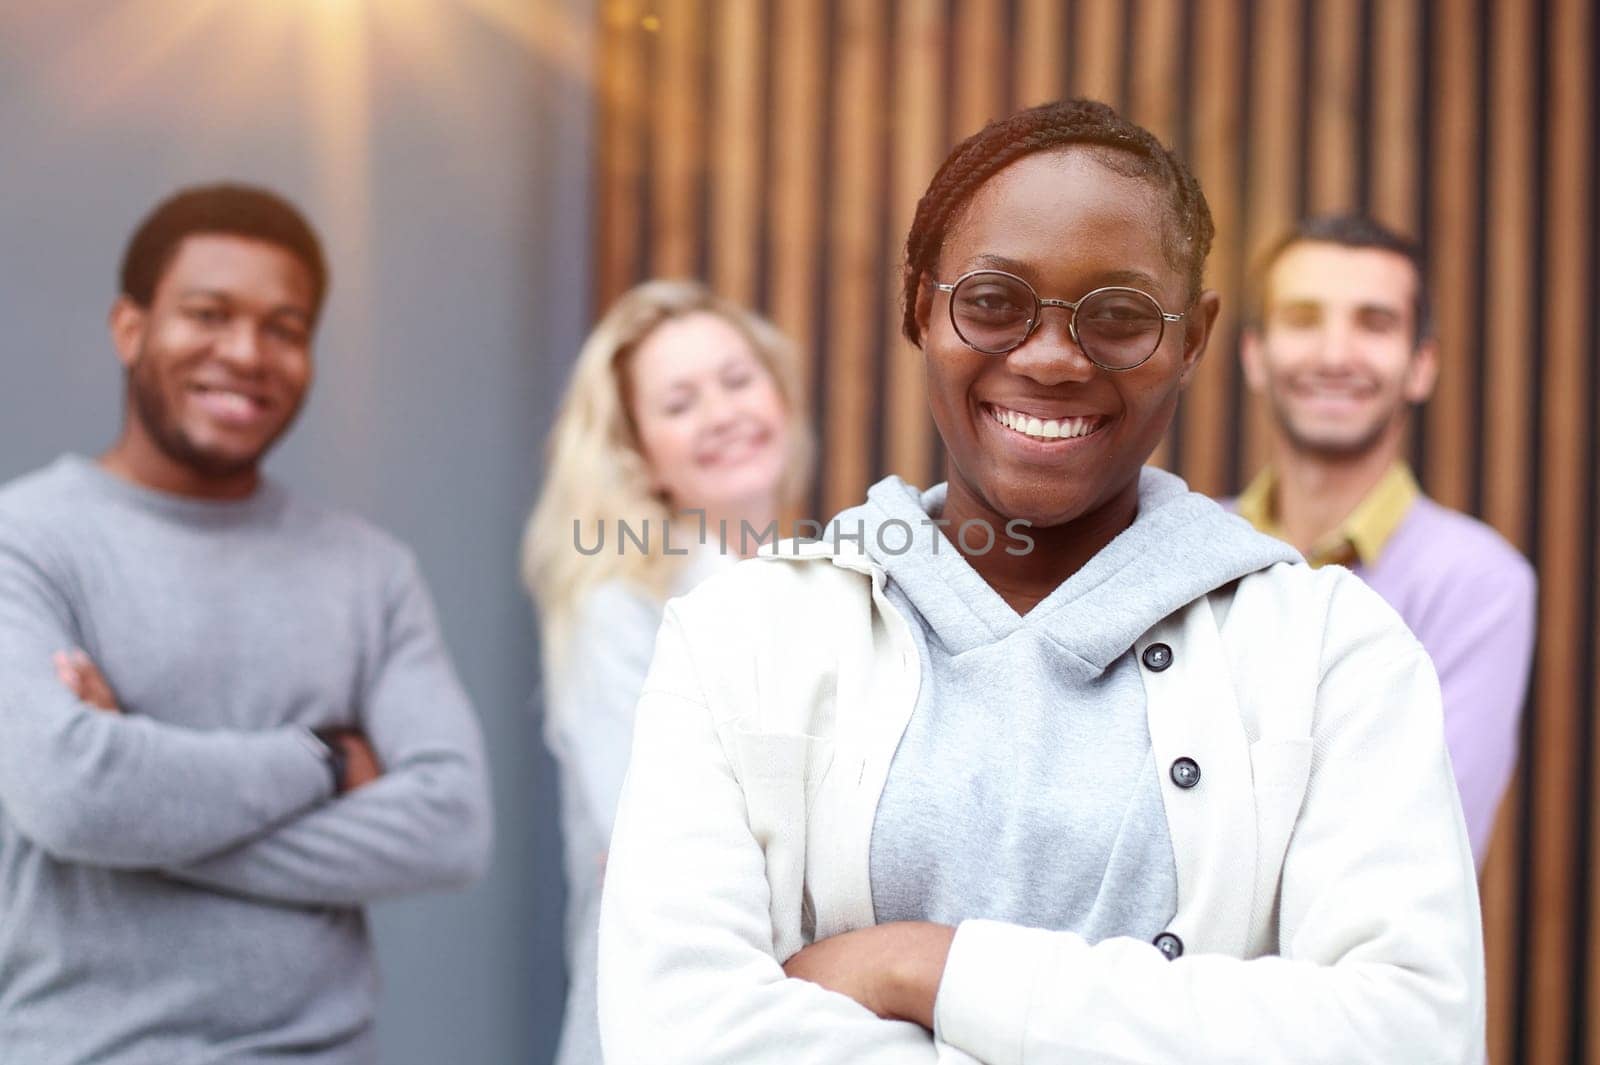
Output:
x,y
1452,195
794,212
1397,113
678,132
1568,377
1218,125
1574,128
853,274
1508,260
736,155
1275,145
979,45
1156,97
1333,134
1097,50
620,141
1508,257
1551,763
920,36
1456,248
1040,58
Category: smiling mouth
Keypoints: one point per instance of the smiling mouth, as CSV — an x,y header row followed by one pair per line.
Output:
x,y
1348,391
734,452
230,401
1046,428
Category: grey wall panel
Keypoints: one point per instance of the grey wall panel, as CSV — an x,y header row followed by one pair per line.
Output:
x,y
457,222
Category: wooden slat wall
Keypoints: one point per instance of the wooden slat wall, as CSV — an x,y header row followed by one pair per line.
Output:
x,y
917,144
736,160
856,263
778,148
1208,423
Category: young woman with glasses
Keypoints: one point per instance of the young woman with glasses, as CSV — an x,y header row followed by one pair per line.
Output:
x,y
1058,762
681,420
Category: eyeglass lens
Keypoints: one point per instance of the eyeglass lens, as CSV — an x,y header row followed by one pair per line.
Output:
x,y
1117,328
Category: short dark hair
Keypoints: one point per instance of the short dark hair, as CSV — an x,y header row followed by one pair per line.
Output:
x,y
1125,147
1349,231
231,209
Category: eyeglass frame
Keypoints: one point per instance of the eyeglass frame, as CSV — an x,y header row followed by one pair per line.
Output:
x,y
1040,303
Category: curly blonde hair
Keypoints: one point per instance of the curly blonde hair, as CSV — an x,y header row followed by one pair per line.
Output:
x,y
595,472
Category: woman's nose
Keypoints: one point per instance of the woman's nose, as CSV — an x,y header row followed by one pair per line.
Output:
x,y
1050,355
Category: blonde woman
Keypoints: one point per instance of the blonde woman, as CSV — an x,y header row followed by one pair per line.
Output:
x,y
678,444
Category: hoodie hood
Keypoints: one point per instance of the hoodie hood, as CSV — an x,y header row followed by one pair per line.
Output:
x,y
1180,547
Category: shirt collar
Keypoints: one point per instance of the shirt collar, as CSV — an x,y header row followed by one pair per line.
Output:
x,y
1360,537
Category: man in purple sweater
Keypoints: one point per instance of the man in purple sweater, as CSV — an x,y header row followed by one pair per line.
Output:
x,y
1340,346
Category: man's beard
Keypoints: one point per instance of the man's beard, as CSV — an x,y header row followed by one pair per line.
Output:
x,y
1353,448
155,416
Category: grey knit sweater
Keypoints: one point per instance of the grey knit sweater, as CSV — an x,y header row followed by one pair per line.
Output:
x,y
177,883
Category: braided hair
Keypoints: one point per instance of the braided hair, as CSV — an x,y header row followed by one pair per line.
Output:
x,y
1124,147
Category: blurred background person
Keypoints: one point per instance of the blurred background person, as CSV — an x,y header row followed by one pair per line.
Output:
x,y
679,402
1340,349
228,719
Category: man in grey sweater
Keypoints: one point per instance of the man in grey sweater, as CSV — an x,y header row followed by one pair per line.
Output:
x,y
227,719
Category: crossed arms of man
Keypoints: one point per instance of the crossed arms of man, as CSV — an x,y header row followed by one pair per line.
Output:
x,y
247,812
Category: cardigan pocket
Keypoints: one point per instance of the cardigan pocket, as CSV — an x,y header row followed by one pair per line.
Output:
x,y
779,773
1281,769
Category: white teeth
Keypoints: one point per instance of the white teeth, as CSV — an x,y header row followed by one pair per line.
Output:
x,y
1042,429
227,392
231,404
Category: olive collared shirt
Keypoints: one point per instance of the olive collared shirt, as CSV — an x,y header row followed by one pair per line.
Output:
x,y
1361,537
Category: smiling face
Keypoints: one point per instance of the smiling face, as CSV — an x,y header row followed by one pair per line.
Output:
x,y
1336,355
1042,433
711,423
220,362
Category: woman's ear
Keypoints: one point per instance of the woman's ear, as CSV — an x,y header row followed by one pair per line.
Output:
x,y
1197,327
924,310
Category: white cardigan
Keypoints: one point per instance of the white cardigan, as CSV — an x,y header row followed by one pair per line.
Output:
x,y
1327,904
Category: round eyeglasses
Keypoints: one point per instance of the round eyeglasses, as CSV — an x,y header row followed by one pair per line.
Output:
x,y
1117,328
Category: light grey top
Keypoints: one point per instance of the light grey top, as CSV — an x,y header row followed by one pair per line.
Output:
x,y
589,729
177,883
1025,788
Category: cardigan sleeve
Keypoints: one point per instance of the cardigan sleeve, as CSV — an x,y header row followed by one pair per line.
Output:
x,y
688,971
1479,631
1380,945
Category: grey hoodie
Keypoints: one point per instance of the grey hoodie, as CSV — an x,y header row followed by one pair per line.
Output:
x,y
1024,788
